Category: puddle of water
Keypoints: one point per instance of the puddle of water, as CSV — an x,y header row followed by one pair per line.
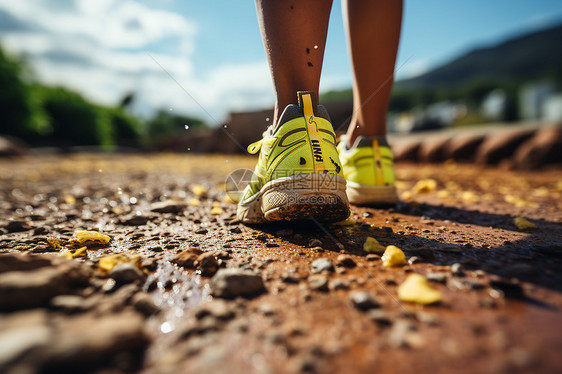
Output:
x,y
187,291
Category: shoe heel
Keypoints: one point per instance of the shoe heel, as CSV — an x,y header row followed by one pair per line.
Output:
x,y
305,196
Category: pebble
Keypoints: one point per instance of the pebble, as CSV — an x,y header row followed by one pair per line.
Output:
x,y
207,264
372,257
363,300
202,231
218,308
437,277
402,334
126,273
70,303
380,317
428,318
345,261
318,283
230,283
456,269
315,243
144,303
322,264
187,258
339,284
134,220
168,206
413,260
17,226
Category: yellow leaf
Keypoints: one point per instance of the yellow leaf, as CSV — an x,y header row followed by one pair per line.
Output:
x,y
54,243
69,199
393,256
425,186
194,202
216,210
470,196
524,224
91,236
416,289
372,245
75,253
109,262
443,194
198,190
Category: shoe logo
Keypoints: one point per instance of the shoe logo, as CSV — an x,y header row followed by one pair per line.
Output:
x,y
316,150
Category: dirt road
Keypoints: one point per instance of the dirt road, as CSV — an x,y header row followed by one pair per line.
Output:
x,y
300,297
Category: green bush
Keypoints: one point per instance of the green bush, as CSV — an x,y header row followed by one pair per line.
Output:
x,y
14,104
165,123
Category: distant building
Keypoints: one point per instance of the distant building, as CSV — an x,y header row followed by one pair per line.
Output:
x,y
532,98
494,104
552,108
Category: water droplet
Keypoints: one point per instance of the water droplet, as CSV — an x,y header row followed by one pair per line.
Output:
x,y
226,160
133,200
99,170
267,119
189,149
225,126
171,109
187,127
357,126
315,47
166,327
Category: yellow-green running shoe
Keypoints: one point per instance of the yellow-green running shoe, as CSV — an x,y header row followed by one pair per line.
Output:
x,y
299,174
368,167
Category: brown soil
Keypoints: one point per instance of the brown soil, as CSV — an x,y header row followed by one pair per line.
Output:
x,y
500,312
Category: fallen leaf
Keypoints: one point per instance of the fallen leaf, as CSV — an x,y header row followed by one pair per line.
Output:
x,y
75,253
91,236
393,256
198,190
416,289
425,186
54,243
372,245
524,224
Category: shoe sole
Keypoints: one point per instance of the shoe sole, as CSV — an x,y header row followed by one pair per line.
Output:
x,y
362,194
298,197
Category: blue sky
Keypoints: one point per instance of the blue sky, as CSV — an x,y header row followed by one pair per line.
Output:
x,y
213,48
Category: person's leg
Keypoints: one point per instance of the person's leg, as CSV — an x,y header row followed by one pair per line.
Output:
x,y
373,30
294,35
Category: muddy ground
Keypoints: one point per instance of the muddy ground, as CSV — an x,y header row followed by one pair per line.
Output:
x,y
174,309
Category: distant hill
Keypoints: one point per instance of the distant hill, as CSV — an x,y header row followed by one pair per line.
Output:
x,y
530,56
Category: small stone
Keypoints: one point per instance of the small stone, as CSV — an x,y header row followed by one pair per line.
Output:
x,y
266,309
372,257
126,273
438,277
134,220
187,258
271,245
17,226
456,269
318,283
363,300
315,243
380,317
403,334
201,231
144,303
413,260
339,284
322,264
290,278
168,206
428,318
345,261
217,308
156,249
229,283
207,264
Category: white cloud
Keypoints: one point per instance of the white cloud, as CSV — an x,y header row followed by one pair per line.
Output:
x,y
99,48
